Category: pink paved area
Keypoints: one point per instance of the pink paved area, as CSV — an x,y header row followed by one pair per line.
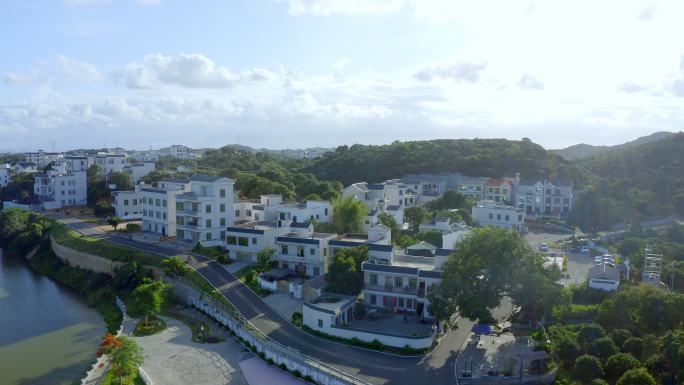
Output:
x,y
257,372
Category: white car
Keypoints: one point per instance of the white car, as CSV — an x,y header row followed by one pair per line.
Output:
x,y
543,247
584,250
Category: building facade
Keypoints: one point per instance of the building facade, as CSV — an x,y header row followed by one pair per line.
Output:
x,y
497,214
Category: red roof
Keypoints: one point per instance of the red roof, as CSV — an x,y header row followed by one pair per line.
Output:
x,y
496,182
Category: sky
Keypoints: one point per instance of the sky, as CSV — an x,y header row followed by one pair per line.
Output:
x,y
302,73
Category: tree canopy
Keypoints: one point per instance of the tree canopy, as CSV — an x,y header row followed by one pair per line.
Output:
x,y
491,263
344,274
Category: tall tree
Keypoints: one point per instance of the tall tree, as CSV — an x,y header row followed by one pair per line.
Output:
x,y
348,214
415,216
125,356
344,274
149,298
491,263
175,266
265,258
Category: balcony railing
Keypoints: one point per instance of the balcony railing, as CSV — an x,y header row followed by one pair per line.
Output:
x,y
393,289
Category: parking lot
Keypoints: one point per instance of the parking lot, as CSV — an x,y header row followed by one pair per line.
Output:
x,y
578,263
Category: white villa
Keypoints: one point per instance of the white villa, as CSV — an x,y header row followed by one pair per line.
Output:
x,y
128,205
4,175
139,170
205,210
545,197
452,233
496,214
159,206
66,186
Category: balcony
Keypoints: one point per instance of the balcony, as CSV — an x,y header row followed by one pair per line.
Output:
x,y
392,289
190,225
296,258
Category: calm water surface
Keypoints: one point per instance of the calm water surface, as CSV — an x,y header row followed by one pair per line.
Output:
x,y
48,335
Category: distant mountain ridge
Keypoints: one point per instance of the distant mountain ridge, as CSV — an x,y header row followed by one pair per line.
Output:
x,y
583,150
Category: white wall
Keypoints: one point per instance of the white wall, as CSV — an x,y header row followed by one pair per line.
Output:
x,y
603,285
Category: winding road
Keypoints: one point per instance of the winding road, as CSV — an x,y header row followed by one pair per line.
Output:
x,y
372,366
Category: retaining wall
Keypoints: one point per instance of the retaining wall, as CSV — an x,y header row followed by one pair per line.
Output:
x,y
83,260
319,373
398,341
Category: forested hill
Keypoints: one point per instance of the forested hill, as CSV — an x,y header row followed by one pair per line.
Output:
x,y
583,150
642,182
477,157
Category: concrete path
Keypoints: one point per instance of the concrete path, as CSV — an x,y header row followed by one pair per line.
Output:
x,y
171,358
284,304
260,373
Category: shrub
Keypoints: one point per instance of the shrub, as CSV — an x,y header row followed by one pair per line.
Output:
x,y
636,377
282,366
603,348
587,368
619,363
568,350
270,361
308,378
249,276
297,319
297,373
132,227
375,344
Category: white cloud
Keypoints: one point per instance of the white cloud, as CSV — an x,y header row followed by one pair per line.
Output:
x,y
32,77
530,83
629,87
461,72
77,70
349,7
647,12
340,63
190,70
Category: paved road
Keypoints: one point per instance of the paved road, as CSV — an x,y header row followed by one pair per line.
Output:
x,y
372,366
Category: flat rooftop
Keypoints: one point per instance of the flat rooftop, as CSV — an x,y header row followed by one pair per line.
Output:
x,y
416,262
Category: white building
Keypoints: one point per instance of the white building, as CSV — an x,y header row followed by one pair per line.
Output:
x,y
403,284
110,162
20,167
491,213
309,211
4,175
604,276
139,170
245,240
159,206
391,196
205,210
452,233
303,250
500,190
545,197
56,189
128,205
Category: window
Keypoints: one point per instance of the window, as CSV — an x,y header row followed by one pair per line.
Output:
x,y
248,213
164,203
158,214
409,303
320,323
164,216
179,206
312,251
222,208
237,213
507,218
180,220
243,241
144,212
398,281
157,202
491,216
325,252
254,241
326,211
373,299
144,200
232,240
373,279
412,283
207,209
498,217
207,223
316,271
283,249
125,201
401,302
208,236
135,202
222,193
223,222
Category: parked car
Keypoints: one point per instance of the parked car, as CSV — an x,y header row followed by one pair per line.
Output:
x,y
575,249
543,247
584,250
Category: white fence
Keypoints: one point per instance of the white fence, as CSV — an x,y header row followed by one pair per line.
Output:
x,y
94,374
267,348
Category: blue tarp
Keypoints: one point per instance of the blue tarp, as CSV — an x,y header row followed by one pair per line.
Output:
x,y
482,329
